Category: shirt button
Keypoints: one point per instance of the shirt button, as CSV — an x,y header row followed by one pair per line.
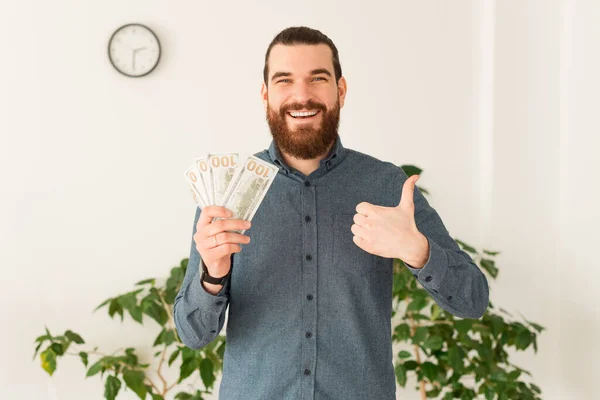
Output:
x,y
309,296
219,303
306,183
449,297
307,372
307,218
428,279
308,334
308,257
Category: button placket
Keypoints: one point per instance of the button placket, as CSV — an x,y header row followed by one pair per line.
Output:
x,y
309,280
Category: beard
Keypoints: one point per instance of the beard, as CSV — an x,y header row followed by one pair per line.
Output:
x,y
305,141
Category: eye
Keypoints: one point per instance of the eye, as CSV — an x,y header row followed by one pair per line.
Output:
x,y
320,77
281,80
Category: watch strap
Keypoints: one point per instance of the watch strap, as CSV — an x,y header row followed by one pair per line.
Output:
x,y
211,279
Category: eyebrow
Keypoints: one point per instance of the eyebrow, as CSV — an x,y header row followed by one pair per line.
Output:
x,y
313,72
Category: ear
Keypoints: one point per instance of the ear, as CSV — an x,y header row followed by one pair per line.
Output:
x,y
342,89
264,96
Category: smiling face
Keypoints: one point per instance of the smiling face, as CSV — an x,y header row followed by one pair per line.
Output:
x,y
302,101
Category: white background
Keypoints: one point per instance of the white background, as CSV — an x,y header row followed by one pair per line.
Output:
x,y
501,94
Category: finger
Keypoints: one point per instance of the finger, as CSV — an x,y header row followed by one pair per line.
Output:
x,y
359,242
364,208
359,231
225,225
361,220
408,191
221,251
209,212
231,237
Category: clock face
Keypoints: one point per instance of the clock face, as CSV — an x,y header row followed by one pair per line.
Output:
x,y
134,50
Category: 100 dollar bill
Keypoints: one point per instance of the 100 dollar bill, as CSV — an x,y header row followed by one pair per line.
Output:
x,y
248,188
193,180
222,169
204,179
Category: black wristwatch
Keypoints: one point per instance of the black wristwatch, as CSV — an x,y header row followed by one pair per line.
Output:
x,y
205,277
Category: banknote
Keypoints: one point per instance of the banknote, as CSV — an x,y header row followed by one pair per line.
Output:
x,y
248,188
222,168
192,178
204,179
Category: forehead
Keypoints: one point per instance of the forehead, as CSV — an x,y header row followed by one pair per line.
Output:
x,y
300,58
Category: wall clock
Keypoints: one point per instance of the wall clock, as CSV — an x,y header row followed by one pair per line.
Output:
x,y
134,50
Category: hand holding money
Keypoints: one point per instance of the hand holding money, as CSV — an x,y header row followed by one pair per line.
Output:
x,y
214,243
229,195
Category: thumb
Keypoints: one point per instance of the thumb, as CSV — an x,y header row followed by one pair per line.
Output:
x,y
408,190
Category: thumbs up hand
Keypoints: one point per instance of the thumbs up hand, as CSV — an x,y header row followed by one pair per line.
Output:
x,y
392,232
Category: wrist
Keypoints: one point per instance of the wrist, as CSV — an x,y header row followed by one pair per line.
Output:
x,y
215,271
215,277
211,288
422,253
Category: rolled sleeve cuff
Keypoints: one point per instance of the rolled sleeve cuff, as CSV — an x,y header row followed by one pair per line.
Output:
x,y
206,301
433,272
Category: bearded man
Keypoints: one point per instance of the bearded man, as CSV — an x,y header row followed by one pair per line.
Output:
x,y
309,284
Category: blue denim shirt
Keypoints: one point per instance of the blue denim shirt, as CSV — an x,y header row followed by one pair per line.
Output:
x,y
309,310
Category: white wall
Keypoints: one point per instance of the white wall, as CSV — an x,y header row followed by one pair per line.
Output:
x,y
526,174
579,196
92,193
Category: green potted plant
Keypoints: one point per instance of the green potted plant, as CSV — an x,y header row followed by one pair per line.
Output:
x,y
450,357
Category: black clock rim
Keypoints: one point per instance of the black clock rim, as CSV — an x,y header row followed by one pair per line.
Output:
x,y
153,34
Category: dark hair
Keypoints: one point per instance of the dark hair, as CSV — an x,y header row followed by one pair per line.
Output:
x,y
303,35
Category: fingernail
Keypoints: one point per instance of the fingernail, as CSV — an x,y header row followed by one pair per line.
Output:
x,y
247,223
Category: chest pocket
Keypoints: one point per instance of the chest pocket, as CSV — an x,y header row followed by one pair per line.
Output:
x,y
347,256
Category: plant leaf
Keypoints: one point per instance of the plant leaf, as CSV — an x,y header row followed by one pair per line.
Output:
x,y
111,387
429,370
206,372
420,335
94,369
433,343
173,357
135,381
489,266
466,247
72,336
105,302
404,354
400,375
48,358
145,281
84,357
187,368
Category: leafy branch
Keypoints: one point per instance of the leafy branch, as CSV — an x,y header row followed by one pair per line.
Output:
x,y
156,303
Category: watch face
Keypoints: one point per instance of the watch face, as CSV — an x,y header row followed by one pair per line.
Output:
x,y
134,50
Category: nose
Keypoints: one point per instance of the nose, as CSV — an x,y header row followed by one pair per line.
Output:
x,y
302,92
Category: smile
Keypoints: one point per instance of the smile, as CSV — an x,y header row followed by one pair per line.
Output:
x,y
303,114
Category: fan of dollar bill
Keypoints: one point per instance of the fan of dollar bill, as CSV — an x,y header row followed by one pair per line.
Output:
x,y
219,179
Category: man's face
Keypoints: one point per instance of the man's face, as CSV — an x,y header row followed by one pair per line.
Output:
x,y
301,79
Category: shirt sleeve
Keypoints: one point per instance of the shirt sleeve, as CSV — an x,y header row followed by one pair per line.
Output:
x,y
199,315
450,276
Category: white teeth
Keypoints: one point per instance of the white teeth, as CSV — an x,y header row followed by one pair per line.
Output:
x,y
302,114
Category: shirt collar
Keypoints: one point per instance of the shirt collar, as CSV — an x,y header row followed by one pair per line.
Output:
x,y
335,156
